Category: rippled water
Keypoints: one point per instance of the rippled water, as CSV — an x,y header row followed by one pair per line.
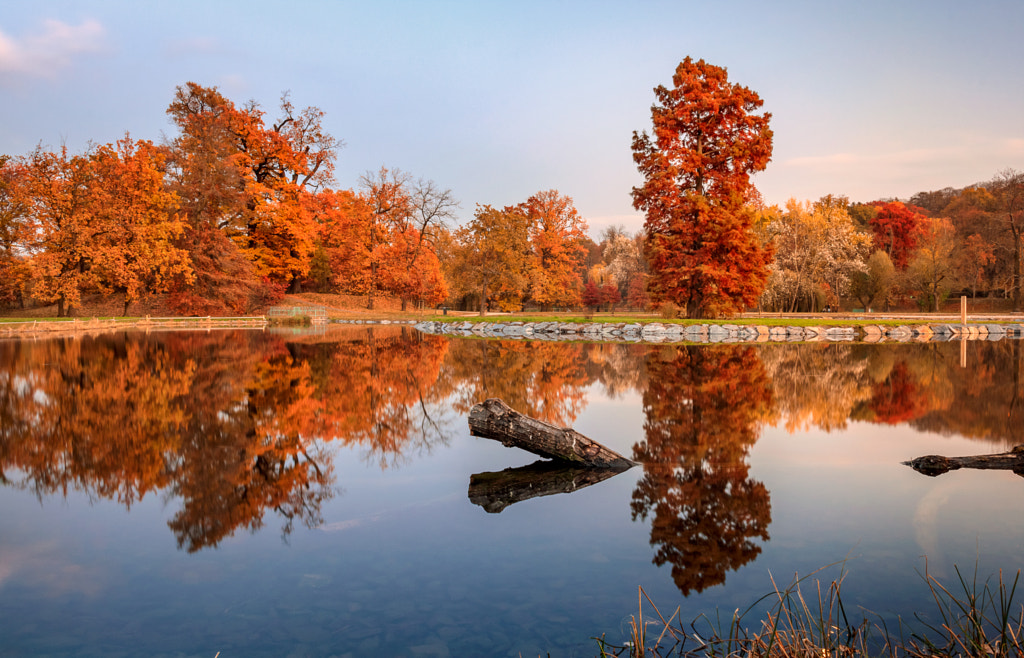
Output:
x,y
310,495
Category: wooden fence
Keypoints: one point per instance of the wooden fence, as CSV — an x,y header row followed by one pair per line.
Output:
x,y
77,325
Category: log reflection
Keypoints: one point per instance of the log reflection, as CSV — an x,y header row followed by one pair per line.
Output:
x,y
496,491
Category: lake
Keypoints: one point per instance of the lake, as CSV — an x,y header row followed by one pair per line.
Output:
x,y
318,494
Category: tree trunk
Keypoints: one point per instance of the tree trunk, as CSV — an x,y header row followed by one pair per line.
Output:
x,y
937,464
1016,269
493,419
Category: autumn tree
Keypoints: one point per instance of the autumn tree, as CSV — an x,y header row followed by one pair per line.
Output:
x,y
975,258
707,141
59,189
935,264
557,232
406,218
15,232
876,281
817,250
493,256
136,222
897,229
592,297
1008,188
625,262
240,175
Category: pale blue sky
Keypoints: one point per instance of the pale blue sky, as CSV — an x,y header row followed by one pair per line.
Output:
x,y
498,100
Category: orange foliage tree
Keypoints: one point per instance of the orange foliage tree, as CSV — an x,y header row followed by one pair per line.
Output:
x,y
405,221
707,140
59,189
493,256
557,233
247,179
15,232
136,222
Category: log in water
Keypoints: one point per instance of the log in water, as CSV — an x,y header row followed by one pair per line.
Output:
x,y
493,419
937,464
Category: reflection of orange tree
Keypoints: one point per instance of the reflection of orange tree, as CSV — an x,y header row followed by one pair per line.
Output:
x,y
374,387
269,448
982,402
542,380
619,366
240,454
102,416
910,381
234,424
704,409
818,384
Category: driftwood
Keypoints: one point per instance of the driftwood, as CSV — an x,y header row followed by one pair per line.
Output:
x,y
937,464
493,419
496,491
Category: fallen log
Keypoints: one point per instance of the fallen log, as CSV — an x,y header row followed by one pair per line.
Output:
x,y
937,464
496,491
493,419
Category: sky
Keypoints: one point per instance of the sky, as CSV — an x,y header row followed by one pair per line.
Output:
x,y
500,100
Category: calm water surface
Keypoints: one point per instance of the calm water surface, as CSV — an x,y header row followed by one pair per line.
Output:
x,y
273,494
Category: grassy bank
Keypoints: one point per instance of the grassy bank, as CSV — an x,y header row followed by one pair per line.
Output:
x,y
808,618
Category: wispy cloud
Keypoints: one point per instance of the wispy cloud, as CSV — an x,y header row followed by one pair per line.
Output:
x,y
51,49
905,157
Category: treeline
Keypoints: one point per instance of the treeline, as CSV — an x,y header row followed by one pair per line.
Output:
x,y
237,209
225,217
832,252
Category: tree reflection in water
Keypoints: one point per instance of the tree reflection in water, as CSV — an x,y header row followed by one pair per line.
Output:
x,y
241,424
705,407
235,425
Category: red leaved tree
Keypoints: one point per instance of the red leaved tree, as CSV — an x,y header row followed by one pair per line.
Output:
x,y
707,140
897,229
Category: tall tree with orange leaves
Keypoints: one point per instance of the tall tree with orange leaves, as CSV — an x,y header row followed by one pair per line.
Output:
x,y
708,138
246,178
14,231
136,222
557,234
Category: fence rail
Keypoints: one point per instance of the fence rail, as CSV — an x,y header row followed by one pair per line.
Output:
x,y
318,314
95,324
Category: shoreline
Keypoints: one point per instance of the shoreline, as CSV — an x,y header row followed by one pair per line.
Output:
x,y
657,332
627,332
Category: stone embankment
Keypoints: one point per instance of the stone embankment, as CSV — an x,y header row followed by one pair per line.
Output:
x,y
658,332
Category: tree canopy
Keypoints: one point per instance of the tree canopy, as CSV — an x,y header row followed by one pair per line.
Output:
x,y
708,138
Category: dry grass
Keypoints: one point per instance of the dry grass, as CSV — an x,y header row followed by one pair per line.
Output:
x,y
977,619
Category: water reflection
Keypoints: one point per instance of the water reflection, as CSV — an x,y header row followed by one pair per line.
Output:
x,y
704,409
239,427
234,425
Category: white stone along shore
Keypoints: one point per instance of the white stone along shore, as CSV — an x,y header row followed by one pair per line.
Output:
x,y
658,332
